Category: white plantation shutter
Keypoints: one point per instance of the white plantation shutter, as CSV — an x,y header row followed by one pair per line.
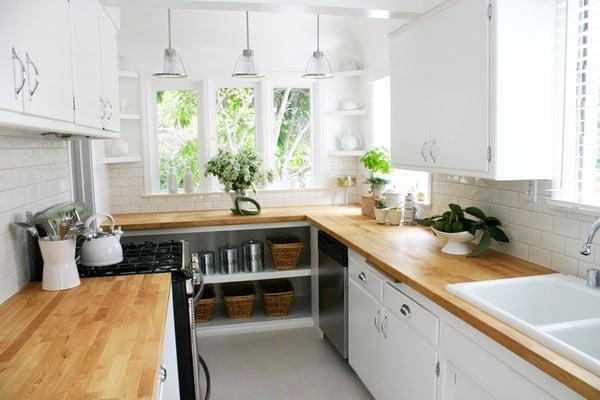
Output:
x,y
578,43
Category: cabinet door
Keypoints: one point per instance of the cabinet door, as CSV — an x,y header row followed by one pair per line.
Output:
x,y
86,63
408,363
457,385
12,76
409,99
47,50
109,73
457,41
364,340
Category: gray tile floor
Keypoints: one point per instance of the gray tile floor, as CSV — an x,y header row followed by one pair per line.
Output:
x,y
294,364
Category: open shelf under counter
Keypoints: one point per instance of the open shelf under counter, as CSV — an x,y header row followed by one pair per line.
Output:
x,y
258,276
300,316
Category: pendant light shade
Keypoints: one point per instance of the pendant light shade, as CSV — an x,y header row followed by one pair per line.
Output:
x,y
245,67
172,64
318,66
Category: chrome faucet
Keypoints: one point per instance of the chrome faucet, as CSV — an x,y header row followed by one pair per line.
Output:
x,y
586,250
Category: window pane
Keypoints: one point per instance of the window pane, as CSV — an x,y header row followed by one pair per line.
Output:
x,y
292,130
236,118
177,117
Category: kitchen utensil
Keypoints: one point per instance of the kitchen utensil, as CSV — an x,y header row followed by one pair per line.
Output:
x,y
229,258
349,141
105,247
28,228
207,262
253,254
60,269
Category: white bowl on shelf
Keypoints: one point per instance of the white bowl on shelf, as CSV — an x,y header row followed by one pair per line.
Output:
x,y
456,242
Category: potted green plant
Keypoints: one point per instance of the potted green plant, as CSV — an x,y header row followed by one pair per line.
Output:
x,y
377,161
454,226
238,173
380,212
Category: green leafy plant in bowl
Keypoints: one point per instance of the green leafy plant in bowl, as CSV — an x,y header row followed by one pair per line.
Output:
x,y
377,161
455,226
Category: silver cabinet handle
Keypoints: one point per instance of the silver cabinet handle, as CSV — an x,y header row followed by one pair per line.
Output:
x,y
103,104
376,321
110,110
431,151
405,310
29,61
19,88
162,373
362,277
384,327
423,146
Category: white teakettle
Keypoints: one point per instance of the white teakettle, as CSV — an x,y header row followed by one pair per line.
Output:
x,y
105,248
350,141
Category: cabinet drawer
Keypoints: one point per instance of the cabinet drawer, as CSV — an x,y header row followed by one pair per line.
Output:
x,y
365,277
411,313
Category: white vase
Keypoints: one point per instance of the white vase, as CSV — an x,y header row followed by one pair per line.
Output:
x,y
394,216
457,242
188,181
60,270
244,205
381,215
173,186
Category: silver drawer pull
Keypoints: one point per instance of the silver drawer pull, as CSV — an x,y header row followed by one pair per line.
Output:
x,y
20,87
162,374
376,321
405,310
362,277
384,327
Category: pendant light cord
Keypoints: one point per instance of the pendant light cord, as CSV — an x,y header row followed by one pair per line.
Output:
x,y
169,24
247,32
318,49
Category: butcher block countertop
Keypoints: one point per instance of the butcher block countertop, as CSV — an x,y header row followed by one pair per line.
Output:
x,y
410,255
100,340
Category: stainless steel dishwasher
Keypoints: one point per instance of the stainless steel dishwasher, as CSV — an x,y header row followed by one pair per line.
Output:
x,y
333,292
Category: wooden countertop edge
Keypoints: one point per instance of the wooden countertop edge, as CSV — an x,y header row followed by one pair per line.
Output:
x,y
160,350
541,356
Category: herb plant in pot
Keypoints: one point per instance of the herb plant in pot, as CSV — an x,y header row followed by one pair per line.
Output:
x,y
380,212
377,161
454,226
238,173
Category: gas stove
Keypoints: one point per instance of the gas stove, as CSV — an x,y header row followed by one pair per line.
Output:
x,y
147,258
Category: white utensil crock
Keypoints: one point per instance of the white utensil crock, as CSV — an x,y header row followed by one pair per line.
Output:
x,y
60,270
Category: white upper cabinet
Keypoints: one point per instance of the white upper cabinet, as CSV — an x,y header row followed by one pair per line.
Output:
x,y
46,45
12,63
109,74
472,89
86,63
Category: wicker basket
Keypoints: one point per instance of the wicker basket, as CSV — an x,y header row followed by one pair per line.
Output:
x,y
278,295
206,304
238,299
285,251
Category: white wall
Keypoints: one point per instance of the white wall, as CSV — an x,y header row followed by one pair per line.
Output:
x,y
34,174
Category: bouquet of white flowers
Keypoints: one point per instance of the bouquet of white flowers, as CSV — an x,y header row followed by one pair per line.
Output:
x,y
238,172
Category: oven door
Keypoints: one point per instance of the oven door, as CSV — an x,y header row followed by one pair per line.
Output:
x,y
201,372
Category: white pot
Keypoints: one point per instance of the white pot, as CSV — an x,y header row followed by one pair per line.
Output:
x,y
377,190
457,242
394,216
381,215
350,141
60,270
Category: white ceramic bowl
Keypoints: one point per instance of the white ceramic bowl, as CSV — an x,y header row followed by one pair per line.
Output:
x,y
456,242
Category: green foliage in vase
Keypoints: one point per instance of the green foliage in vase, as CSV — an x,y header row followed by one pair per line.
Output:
x,y
454,221
377,161
238,172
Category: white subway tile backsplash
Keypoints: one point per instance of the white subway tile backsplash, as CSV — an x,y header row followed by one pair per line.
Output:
x,y
541,221
529,236
34,174
567,227
540,256
553,242
518,216
564,264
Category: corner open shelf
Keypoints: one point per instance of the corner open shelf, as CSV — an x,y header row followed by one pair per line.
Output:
x,y
347,113
129,74
124,159
347,153
131,116
257,276
300,316
347,74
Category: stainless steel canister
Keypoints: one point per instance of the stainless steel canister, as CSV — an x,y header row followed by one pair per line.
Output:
x,y
207,262
253,254
229,257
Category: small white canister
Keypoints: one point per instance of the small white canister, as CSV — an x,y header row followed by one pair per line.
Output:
x,y
60,270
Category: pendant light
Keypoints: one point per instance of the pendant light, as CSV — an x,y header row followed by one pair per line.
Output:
x,y
172,64
318,65
244,67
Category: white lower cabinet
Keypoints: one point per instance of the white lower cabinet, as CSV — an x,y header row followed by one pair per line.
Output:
x,y
365,343
458,385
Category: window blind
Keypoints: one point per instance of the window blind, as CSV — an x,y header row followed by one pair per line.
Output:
x,y
578,43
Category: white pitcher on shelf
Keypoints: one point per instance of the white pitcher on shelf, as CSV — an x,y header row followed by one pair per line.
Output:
x,y
350,141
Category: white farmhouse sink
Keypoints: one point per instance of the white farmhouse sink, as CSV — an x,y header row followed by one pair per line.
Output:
x,y
557,310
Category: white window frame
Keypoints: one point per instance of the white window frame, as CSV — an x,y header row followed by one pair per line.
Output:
x,y
207,134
